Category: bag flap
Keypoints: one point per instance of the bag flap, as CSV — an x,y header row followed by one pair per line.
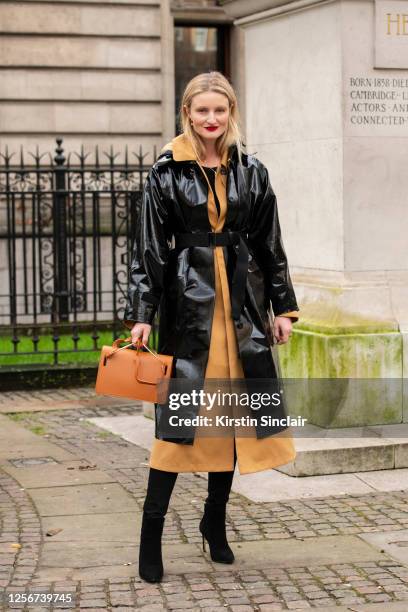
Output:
x,y
149,370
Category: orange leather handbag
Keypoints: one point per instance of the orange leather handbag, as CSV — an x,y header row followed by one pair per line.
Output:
x,y
133,373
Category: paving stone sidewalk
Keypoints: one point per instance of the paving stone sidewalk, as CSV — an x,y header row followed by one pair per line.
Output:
x,y
63,476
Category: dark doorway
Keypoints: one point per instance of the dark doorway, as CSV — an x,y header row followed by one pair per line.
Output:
x,y
198,48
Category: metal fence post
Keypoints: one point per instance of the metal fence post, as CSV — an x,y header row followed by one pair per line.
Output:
x,y
61,288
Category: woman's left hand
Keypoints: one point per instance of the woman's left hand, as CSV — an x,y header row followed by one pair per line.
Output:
x,y
282,329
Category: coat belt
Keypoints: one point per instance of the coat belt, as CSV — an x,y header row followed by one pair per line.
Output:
x,y
229,238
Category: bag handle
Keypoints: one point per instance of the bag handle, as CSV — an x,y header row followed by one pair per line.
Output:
x,y
116,343
116,347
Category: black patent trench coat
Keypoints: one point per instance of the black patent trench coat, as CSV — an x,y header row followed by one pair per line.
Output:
x,y
180,282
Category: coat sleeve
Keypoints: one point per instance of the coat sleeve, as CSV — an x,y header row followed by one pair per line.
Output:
x,y
265,241
149,255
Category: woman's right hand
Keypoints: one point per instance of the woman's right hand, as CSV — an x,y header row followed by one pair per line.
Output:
x,y
140,330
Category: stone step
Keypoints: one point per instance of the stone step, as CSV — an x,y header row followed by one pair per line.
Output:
x,y
343,450
347,453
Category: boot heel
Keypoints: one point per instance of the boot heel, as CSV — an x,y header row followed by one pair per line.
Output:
x,y
212,528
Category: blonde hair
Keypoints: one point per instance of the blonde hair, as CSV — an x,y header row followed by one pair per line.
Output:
x,y
211,81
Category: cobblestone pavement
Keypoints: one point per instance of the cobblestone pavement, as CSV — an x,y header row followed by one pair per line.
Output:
x,y
19,526
294,588
13,398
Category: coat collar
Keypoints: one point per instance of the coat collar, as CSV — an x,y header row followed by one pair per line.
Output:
x,y
183,151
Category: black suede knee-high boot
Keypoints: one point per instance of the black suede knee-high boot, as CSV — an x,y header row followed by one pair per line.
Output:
x,y
159,490
212,525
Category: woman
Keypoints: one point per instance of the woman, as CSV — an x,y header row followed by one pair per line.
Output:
x,y
213,291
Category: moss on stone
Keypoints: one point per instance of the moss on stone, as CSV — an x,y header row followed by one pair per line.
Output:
x,y
371,352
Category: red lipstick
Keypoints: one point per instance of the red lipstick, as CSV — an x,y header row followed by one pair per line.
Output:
x,y
212,128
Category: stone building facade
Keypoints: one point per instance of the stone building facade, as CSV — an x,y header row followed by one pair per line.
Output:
x,y
327,112
104,72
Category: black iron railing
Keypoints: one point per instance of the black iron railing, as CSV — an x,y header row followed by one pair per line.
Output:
x,y
67,226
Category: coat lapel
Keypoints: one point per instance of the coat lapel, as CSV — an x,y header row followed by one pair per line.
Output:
x,y
226,180
183,151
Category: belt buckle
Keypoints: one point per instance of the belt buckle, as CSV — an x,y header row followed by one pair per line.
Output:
x,y
212,239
